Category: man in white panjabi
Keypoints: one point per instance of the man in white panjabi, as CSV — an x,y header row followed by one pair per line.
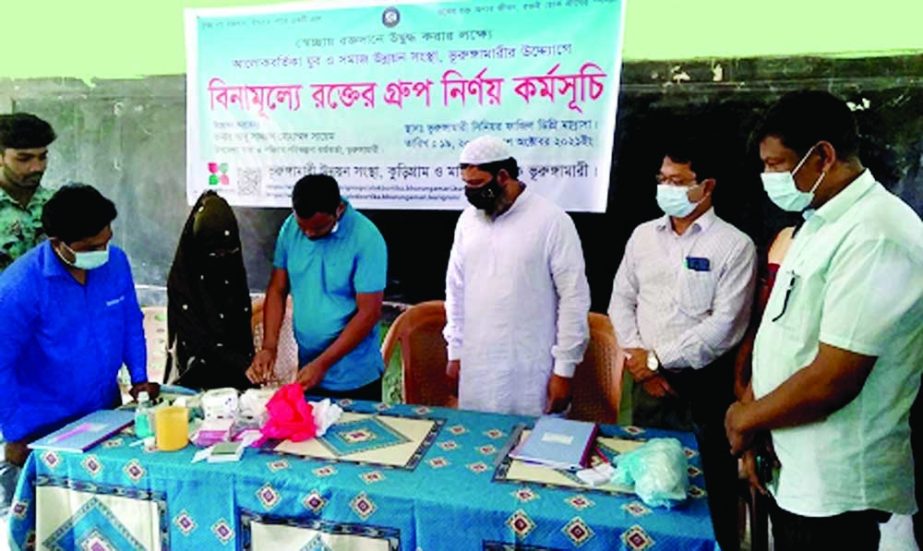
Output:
x,y
517,297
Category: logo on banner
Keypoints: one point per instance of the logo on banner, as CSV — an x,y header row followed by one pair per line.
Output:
x,y
218,174
391,17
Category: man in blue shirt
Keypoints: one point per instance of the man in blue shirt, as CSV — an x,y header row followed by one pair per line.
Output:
x,y
333,261
70,319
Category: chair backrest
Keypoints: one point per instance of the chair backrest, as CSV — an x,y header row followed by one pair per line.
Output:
x,y
287,367
418,332
597,384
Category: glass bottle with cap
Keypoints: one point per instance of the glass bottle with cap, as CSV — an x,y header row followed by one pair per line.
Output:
x,y
143,425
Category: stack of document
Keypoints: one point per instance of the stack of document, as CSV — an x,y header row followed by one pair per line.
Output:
x,y
558,443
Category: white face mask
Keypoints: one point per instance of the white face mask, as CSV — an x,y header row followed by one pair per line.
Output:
x,y
88,260
674,200
781,188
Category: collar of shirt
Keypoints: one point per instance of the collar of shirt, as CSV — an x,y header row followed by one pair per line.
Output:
x,y
700,225
846,198
345,222
7,199
343,227
53,266
41,196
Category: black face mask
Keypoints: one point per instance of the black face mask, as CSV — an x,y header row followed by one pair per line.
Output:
x,y
485,197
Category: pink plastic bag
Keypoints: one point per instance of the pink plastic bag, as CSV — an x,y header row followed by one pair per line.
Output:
x,y
290,416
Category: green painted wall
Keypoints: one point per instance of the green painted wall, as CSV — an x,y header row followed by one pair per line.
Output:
x,y
133,38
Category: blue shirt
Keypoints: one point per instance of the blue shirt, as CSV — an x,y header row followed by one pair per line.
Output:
x,y
63,342
325,275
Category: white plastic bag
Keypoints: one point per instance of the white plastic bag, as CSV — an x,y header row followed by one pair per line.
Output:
x,y
658,470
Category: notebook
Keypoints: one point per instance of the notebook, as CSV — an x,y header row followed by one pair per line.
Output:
x,y
85,432
558,443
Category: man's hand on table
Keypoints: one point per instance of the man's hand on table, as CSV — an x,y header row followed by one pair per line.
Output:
x,y
16,452
260,370
152,389
559,394
312,374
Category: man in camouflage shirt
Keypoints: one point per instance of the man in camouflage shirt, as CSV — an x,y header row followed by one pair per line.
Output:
x,y
24,141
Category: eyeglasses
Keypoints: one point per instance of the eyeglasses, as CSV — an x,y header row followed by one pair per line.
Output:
x,y
661,179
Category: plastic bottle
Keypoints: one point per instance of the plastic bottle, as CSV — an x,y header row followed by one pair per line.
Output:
x,y
143,425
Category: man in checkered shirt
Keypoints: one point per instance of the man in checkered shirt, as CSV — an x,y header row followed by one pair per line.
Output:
x,y
680,303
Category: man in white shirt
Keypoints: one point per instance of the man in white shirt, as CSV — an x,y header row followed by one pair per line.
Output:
x,y
680,302
517,297
839,350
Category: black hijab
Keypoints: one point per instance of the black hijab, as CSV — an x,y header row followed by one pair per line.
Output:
x,y
208,300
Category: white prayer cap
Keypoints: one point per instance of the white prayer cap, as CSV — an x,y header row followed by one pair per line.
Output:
x,y
483,150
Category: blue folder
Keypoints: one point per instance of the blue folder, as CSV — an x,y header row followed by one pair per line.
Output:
x,y
558,443
85,432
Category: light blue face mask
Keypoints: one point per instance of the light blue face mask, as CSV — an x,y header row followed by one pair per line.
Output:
x,y
782,190
674,200
89,260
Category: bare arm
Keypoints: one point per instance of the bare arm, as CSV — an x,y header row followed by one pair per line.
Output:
x,y
831,381
273,314
274,308
368,312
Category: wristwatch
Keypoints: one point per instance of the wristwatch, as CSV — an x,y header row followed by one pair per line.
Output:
x,y
652,362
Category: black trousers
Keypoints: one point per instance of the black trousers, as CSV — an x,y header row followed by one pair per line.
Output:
x,y
704,396
855,530
370,392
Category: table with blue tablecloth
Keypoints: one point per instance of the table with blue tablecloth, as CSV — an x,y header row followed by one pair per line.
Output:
x,y
385,477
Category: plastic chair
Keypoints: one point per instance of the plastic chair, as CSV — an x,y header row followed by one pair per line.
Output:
x,y
286,368
424,354
597,384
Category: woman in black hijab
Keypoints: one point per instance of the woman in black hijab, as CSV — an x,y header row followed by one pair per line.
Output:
x,y
208,308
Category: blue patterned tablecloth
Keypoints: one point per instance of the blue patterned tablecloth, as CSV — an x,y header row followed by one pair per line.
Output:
x,y
450,489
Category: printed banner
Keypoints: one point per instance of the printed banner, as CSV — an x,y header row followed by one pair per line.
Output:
x,y
383,97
